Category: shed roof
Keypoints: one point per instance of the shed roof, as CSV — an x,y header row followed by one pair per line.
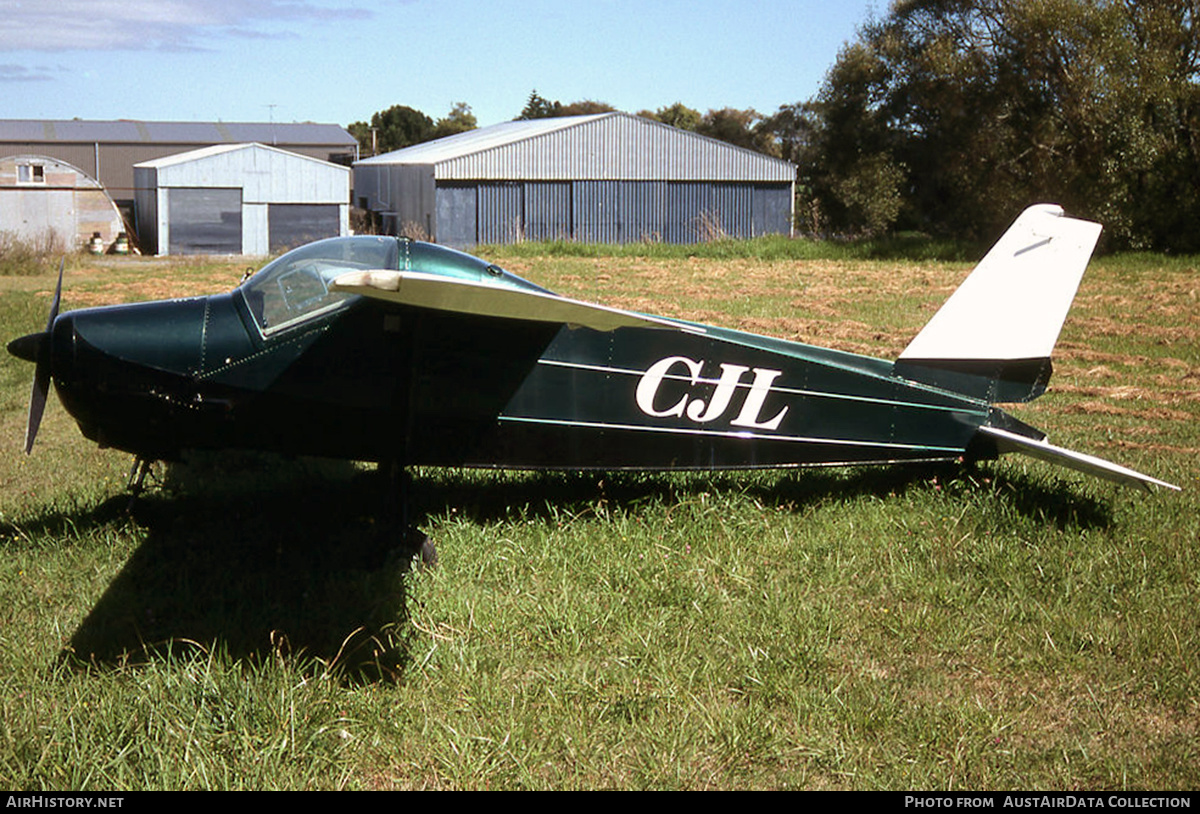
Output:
x,y
600,146
221,149
126,131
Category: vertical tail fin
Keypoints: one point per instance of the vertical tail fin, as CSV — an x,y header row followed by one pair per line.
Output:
x,y
993,338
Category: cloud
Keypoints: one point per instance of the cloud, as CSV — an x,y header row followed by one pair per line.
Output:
x,y
93,25
27,73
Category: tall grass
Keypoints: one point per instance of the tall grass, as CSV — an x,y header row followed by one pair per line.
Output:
x,y
23,255
767,248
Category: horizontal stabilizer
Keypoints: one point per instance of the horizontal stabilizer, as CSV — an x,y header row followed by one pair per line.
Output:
x,y
1011,442
439,293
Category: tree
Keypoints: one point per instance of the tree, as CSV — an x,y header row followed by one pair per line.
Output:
x,y
460,119
677,115
791,130
538,107
398,126
586,107
737,127
362,133
985,106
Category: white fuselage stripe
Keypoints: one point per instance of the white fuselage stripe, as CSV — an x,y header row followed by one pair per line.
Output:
x,y
737,434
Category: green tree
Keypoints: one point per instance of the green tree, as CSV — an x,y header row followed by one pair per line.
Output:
x,y
1155,126
677,115
985,106
460,119
743,128
738,127
362,133
538,107
398,126
585,107
791,130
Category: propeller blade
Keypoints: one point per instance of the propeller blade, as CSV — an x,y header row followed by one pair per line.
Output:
x,y
57,296
41,375
37,405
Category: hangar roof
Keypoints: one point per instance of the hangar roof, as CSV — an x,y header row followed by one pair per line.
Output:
x,y
603,146
474,141
126,131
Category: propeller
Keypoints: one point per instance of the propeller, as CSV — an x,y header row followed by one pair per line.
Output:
x,y
37,348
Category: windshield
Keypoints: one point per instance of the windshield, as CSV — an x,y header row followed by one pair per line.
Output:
x,y
296,286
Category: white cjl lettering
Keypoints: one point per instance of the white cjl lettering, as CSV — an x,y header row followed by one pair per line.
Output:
x,y
652,378
697,410
730,375
753,405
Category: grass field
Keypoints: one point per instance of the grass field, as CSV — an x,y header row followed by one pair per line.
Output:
x,y
1009,626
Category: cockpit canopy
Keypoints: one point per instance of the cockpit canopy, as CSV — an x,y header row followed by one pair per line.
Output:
x,y
296,287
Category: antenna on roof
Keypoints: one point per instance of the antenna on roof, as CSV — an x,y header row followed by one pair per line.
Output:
x,y
272,118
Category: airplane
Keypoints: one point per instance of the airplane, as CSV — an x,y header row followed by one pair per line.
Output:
x,y
406,353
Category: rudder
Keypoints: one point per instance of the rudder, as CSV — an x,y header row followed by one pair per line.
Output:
x,y
993,338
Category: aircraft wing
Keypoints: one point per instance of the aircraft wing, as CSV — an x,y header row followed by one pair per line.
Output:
x,y
1011,442
468,297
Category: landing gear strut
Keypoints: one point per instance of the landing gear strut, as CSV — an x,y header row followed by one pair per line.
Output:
x,y
413,543
137,480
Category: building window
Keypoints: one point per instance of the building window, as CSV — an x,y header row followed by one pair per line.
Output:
x,y
31,174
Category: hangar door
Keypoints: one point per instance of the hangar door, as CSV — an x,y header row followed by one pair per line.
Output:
x,y
292,225
204,221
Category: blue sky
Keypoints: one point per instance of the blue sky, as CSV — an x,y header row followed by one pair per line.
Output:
x,y
341,60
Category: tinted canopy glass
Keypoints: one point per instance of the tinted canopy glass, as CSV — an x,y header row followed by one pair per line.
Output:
x,y
296,286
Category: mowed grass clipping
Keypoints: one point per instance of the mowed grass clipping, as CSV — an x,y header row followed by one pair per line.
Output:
x,y
1008,626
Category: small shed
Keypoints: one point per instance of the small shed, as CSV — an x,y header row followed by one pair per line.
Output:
x,y
52,203
239,199
608,177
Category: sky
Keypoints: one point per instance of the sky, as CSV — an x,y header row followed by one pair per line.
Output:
x,y
339,61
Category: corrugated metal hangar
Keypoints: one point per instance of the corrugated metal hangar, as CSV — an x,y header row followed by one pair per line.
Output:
x,y
239,199
42,198
607,178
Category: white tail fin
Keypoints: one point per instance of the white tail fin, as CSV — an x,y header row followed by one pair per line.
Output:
x,y
993,337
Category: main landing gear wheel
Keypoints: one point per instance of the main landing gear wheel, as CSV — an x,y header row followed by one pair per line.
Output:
x,y
424,552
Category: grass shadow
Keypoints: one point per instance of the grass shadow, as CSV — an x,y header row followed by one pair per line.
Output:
x,y
1048,501
1052,501
486,497
259,564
